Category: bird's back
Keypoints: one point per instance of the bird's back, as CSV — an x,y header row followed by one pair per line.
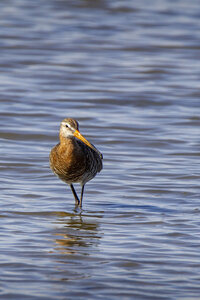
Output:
x,y
93,162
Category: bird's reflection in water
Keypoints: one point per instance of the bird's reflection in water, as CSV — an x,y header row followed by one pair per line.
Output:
x,y
77,232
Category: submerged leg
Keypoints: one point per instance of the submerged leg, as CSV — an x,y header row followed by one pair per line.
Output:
x,y
75,194
82,191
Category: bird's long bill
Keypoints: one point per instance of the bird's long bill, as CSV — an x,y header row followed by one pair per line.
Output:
x,y
79,136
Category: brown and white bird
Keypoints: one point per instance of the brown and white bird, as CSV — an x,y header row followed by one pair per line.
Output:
x,y
74,159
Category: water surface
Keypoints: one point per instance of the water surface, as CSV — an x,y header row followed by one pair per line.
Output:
x,y
129,73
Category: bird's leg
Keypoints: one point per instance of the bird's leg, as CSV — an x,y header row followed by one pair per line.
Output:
x,y
82,191
75,194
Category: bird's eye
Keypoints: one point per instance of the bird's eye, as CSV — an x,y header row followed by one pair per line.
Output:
x,y
66,126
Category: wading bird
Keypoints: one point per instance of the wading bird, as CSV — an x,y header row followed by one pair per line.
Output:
x,y
74,159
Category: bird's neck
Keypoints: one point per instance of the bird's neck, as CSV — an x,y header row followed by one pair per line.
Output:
x,y
68,142
69,147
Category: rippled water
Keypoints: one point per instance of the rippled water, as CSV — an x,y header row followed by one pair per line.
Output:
x,y
128,71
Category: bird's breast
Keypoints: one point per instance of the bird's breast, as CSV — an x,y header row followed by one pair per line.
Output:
x,y
73,161
68,161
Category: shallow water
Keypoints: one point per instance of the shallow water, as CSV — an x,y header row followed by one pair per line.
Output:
x,y
129,73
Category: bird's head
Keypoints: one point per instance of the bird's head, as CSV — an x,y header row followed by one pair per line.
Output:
x,y
70,128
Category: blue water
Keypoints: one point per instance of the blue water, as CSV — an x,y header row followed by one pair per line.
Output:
x,y
128,71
